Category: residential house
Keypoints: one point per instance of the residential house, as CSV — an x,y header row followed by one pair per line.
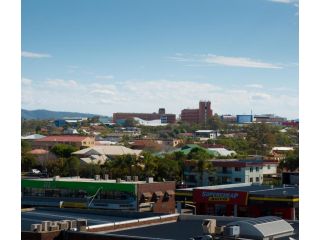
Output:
x,y
99,154
74,140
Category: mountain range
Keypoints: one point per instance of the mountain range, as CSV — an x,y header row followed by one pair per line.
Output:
x,y
42,114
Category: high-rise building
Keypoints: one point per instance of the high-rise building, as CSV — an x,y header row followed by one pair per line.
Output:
x,y
200,115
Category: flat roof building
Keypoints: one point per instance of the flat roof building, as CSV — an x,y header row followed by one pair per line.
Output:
x,y
161,115
109,194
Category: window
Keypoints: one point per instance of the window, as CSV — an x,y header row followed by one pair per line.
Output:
x,y
257,179
224,170
257,169
237,169
251,179
268,166
237,179
251,169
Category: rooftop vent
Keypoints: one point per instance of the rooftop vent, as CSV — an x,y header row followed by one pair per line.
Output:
x,y
208,226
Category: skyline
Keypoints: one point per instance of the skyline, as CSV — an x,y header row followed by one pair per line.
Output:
x,y
117,56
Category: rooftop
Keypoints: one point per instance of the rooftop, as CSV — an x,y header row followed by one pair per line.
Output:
x,y
62,138
88,180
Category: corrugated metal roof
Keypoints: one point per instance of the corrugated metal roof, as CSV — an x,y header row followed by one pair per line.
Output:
x,y
263,227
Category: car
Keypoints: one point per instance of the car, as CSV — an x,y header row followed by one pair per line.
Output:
x,y
35,171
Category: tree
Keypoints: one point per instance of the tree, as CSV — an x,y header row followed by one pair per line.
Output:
x,y
216,123
291,162
28,162
63,150
199,154
130,122
72,166
261,138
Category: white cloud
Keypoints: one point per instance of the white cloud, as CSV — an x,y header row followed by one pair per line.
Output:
x,y
61,83
148,96
26,81
211,60
105,77
239,62
295,2
254,86
34,55
260,96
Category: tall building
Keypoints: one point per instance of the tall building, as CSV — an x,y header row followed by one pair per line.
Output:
x,y
200,115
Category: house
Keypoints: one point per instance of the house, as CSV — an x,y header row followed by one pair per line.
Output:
x,y
74,140
205,135
42,155
109,151
223,152
70,131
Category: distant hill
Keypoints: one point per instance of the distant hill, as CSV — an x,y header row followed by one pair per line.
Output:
x,y
46,114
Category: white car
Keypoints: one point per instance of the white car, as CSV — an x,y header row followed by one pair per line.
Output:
x,y
35,171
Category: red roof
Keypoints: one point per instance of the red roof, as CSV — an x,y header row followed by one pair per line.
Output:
x,y
38,151
62,138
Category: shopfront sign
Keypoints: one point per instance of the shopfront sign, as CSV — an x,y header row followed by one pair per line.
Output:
x,y
220,196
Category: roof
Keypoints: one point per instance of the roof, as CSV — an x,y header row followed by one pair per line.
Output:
x,y
62,138
236,163
33,137
38,151
187,227
263,227
282,149
222,151
205,131
110,150
256,189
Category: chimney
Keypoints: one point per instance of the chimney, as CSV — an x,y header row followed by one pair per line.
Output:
x,y
149,180
135,178
118,180
106,176
96,177
128,178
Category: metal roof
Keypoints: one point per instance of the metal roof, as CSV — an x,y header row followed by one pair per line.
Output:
x,y
263,227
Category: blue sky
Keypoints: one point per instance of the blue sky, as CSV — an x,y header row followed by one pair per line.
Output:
x,y
105,56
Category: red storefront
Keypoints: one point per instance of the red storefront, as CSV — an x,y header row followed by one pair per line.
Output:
x,y
246,203
219,202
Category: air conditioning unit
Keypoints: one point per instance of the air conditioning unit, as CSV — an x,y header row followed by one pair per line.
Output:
x,y
46,225
36,227
232,231
82,224
209,226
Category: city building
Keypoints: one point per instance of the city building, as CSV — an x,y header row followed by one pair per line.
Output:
x,y
247,200
77,141
227,118
119,118
269,118
200,115
244,119
130,194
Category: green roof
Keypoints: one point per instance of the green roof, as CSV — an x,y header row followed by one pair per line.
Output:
x,y
90,186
